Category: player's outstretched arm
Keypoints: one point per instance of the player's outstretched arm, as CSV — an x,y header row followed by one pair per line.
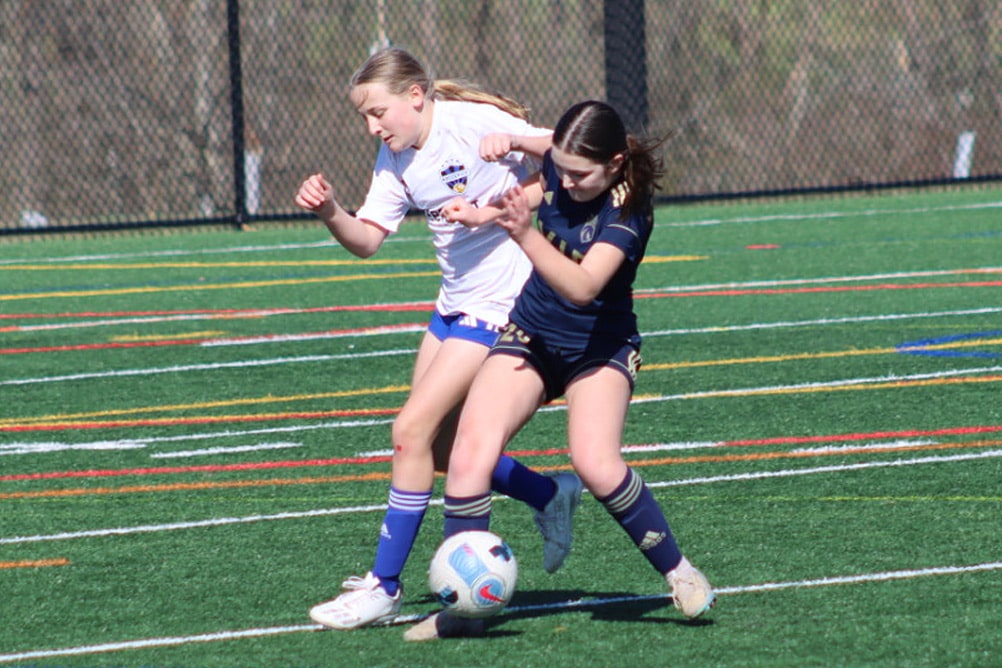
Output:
x,y
458,210
497,145
578,282
360,238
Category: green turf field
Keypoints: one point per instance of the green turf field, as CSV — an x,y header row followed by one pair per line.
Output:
x,y
194,432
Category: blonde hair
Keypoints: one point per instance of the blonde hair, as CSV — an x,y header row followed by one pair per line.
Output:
x,y
398,70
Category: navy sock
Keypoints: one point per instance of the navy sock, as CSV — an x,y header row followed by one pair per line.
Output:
x,y
633,506
519,482
470,513
397,534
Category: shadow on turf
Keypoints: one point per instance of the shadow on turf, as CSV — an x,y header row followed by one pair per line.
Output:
x,y
603,606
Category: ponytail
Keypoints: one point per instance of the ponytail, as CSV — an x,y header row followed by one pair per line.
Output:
x,y
398,70
450,89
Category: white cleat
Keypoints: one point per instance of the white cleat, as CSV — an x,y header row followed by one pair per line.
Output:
x,y
690,590
365,603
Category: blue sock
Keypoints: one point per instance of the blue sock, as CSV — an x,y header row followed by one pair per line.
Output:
x,y
633,506
396,535
471,513
519,482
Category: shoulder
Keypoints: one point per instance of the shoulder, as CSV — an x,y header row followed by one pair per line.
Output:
x,y
481,117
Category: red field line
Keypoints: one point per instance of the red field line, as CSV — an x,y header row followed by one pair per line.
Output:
x,y
385,475
197,341
248,312
833,288
209,419
907,433
342,461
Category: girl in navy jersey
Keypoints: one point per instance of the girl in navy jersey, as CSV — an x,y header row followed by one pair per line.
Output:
x,y
431,152
572,332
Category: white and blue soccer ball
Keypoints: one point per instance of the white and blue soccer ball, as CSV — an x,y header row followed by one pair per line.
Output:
x,y
473,574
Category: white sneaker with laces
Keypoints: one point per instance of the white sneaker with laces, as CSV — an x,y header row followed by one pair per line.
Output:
x,y
690,590
555,521
365,603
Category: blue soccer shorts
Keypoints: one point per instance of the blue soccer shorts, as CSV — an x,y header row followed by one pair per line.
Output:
x,y
462,326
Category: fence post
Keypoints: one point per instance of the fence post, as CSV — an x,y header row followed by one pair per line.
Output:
x,y
626,61
237,114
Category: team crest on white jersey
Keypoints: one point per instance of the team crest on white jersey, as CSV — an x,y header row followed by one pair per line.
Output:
x,y
588,231
454,175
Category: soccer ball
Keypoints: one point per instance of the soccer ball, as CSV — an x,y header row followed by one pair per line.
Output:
x,y
473,574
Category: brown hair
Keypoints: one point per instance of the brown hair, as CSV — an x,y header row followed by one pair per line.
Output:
x,y
595,131
398,70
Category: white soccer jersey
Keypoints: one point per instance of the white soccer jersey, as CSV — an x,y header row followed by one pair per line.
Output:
x,y
482,269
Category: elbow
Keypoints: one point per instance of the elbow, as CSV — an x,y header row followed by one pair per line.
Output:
x,y
364,252
581,298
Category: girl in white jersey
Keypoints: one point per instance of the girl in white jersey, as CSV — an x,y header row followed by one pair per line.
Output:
x,y
431,153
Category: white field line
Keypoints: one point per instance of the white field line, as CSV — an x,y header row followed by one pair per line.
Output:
x,y
183,454
271,248
199,524
862,447
261,313
791,389
330,243
819,281
183,317
579,604
821,322
406,351
323,512
361,356
245,364
835,468
26,448
23,448
311,336
832,215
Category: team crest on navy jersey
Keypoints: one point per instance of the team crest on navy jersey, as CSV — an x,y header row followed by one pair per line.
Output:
x,y
454,175
588,231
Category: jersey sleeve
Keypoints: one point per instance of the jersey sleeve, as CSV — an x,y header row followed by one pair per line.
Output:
x,y
491,119
387,202
630,235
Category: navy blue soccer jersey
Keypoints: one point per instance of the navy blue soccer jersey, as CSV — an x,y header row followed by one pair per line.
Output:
x,y
573,227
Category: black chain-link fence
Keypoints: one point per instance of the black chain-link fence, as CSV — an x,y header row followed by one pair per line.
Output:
x,y
150,112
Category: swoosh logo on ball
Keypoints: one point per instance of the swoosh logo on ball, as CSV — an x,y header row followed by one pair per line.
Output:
x,y
485,592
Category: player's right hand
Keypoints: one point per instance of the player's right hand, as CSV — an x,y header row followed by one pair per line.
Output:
x,y
315,193
517,217
495,146
458,210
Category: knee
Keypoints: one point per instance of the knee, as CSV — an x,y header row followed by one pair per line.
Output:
x,y
601,475
474,454
410,434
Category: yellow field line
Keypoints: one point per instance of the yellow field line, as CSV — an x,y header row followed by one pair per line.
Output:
x,y
209,265
762,359
54,421
214,286
104,266
390,389
37,563
385,475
